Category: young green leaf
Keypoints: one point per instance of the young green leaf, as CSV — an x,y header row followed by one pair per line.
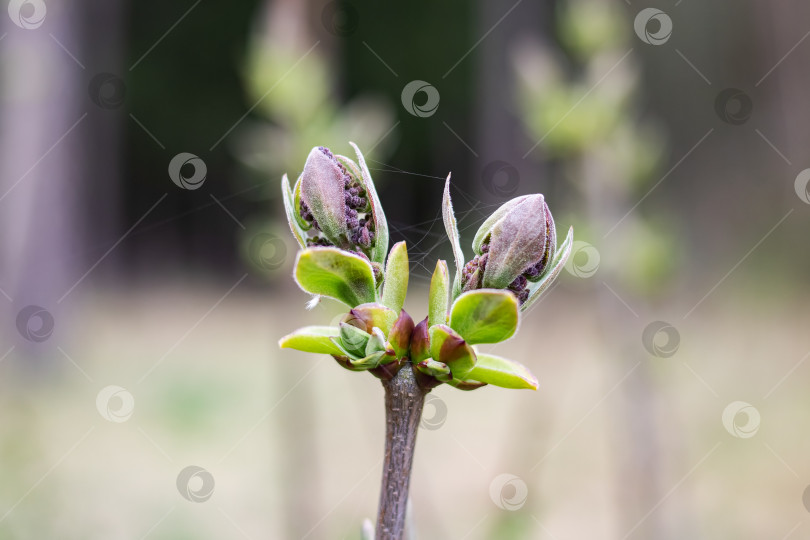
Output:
x,y
485,316
377,343
367,316
314,339
451,226
436,369
466,384
371,361
501,372
448,347
420,342
553,269
335,273
400,335
291,209
438,298
353,339
395,286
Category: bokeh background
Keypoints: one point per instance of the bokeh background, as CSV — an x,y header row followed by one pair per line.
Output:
x,y
142,394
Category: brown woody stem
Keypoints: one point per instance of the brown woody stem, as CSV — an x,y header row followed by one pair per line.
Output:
x,y
403,411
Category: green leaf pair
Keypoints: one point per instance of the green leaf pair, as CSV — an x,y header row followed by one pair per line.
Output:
x,y
349,278
369,336
482,316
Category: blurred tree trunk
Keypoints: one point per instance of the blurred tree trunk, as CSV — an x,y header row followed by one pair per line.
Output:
x,y
637,455
42,119
499,131
286,21
782,26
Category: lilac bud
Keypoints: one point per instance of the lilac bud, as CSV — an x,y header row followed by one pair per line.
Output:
x,y
335,200
512,248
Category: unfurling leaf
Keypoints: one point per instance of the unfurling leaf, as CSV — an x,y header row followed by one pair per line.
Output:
x,y
314,339
293,218
485,316
448,347
400,335
438,298
354,340
451,226
420,342
466,385
439,370
501,372
395,286
338,274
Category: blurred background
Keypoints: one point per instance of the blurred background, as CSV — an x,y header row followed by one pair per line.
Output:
x,y
145,265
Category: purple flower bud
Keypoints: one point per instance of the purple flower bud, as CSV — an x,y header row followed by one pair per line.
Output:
x,y
513,247
336,197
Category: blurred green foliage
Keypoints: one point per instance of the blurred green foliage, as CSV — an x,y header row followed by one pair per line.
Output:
x,y
583,105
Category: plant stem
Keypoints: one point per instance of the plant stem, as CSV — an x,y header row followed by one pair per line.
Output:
x,y
403,411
